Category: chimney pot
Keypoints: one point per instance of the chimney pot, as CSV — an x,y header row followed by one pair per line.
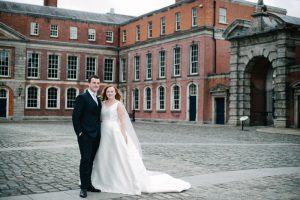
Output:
x,y
52,3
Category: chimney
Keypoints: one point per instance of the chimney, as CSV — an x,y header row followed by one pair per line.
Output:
x,y
112,11
52,3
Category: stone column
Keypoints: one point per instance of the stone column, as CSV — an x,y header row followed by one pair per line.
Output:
x,y
19,76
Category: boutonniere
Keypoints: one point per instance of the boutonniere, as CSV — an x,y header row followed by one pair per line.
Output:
x,y
100,97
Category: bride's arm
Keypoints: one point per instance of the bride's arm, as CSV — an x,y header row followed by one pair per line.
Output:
x,y
121,115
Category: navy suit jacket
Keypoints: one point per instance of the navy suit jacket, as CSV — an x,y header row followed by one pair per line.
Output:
x,y
86,115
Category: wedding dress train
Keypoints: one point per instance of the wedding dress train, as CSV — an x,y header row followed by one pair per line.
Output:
x,y
118,167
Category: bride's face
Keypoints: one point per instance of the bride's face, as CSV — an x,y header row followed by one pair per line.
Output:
x,y
111,93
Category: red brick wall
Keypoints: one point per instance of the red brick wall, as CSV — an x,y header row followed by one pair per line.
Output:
x,y
21,23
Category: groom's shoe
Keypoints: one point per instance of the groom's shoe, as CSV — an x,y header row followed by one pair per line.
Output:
x,y
93,189
83,193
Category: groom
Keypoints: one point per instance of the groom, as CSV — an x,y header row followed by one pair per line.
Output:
x,y
86,123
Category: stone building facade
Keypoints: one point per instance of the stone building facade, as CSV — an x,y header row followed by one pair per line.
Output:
x,y
171,64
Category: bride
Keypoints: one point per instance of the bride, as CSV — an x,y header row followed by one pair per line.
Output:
x,y
118,165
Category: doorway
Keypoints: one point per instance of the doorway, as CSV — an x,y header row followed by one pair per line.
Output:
x,y
3,103
220,110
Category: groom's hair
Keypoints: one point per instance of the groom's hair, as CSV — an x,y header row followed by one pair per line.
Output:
x,y
93,76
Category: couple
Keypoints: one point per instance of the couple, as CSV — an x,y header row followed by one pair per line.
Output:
x,y
114,163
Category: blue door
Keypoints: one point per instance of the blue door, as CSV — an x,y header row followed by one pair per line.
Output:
x,y
220,111
2,107
192,108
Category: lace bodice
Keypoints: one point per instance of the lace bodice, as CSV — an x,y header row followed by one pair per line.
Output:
x,y
109,112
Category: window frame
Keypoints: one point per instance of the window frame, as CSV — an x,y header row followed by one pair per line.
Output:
x,y
148,63
150,29
173,103
58,66
73,33
37,99
69,70
137,70
8,67
147,99
91,34
177,21
53,30
194,62
112,70
86,66
137,33
222,16
194,17
159,100
163,25
34,28
29,54
67,99
57,98
109,36
176,61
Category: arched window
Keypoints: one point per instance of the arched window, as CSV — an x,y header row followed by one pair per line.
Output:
x,y
147,99
71,96
161,98
135,99
176,97
52,98
192,90
32,97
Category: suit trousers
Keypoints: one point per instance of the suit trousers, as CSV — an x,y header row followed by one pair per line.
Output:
x,y
88,148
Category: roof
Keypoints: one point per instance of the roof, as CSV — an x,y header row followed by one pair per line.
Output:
x,y
288,19
60,13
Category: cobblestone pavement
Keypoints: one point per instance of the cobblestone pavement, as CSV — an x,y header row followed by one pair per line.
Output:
x,y
41,157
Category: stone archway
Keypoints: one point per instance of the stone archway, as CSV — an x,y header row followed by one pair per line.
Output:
x,y
260,73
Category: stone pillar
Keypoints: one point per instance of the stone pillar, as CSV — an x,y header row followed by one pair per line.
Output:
x,y
19,76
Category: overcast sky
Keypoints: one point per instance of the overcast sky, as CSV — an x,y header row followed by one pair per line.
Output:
x,y
139,7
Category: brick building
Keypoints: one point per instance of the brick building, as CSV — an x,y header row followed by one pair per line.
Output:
x,y
170,64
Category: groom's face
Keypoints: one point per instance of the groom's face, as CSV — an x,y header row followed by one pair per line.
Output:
x,y
94,85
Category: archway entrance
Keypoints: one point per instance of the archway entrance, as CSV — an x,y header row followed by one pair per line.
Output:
x,y
261,91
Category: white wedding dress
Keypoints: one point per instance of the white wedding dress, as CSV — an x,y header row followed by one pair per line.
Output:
x,y
118,167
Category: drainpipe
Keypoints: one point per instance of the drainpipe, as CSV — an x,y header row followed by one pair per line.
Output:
x,y
214,39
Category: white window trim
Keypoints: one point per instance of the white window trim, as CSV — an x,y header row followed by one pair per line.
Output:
x,y
58,98
122,79
38,97
39,64
53,36
162,25
159,66
177,75
58,67
194,22
91,32
172,98
158,98
124,36
148,75
113,69
73,33
66,96
190,65
150,29
96,64
134,99
223,22
112,36
178,14
9,61
145,99
137,33
134,64
77,68
34,26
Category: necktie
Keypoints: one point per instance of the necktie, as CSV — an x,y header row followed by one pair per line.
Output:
x,y
95,98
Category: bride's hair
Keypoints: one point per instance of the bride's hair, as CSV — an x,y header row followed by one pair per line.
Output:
x,y
118,95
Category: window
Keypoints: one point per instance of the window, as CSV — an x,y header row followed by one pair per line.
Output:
x,y
32,97
71,96
34,29
72,67
149,29
223,15
124,36
73,33
135,99
147,99
4,63
90,67
194,59
192,90
54,31
161,98
123,70
52,98
137,33
33,64
177,21
137,68
175,97
162,64
176,61
53,66
92,35
194,17
163,25
148,66
109,36
108,69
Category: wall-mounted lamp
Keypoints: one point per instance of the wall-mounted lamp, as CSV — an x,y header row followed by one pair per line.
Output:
x,y
201,5
20,90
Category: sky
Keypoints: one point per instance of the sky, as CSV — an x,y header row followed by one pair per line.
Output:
x,y
139,7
